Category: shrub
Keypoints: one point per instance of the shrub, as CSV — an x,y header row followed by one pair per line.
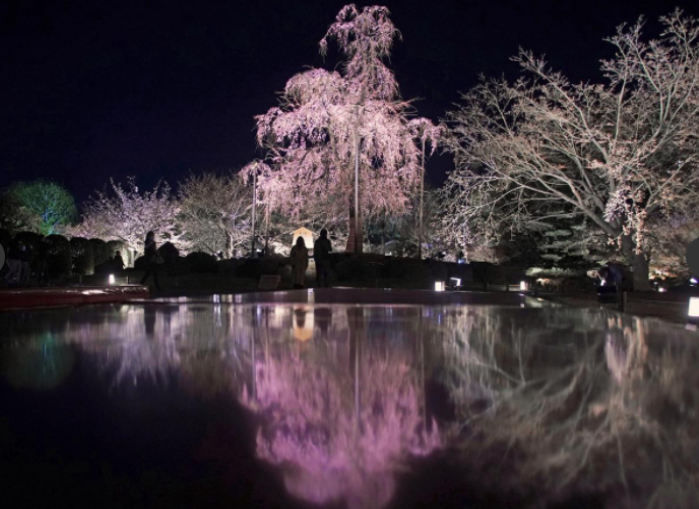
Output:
x,y
228,267
256,267
395,268
83,259
5,239
141,263
33,242
487,272
438,270
100,251
199,263
169,253
354,268
463,271
59,257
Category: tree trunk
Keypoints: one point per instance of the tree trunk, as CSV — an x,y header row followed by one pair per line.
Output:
x,y
639,265
355,240
229,245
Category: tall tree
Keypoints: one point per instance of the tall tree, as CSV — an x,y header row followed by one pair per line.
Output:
x,y
617,153
14,217
50,202
342,138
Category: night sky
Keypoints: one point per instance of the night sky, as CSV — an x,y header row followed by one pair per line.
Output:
x,y
158,88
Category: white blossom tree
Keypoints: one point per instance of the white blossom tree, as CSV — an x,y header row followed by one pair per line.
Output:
x,y
127,214
617,153
334,128
214,213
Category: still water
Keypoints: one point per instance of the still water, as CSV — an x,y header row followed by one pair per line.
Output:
x,y
210,403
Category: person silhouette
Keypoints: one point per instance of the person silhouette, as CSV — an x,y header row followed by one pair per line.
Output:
x,y
299,263
118,261
151,256
321,253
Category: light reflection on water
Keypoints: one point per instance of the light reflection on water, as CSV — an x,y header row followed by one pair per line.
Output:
x,y
571,401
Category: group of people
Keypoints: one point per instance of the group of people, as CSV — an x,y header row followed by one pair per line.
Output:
x,y
299,260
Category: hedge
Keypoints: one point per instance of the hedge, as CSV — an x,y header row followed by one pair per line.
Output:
x,y
253,268
169,253
100,251
354,268
83,258
33,242
59,256
5,239
199,262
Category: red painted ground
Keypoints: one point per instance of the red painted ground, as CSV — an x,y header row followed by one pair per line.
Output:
x,y
13,298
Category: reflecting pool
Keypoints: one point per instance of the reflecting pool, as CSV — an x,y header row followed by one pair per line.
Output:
x,y
210,402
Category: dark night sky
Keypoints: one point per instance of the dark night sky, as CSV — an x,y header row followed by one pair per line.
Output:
x,y
156,88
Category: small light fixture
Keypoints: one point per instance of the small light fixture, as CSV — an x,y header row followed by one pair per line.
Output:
x,y
693,281
523,286
693,312
439,286
662,289
603,283
456,281
112,280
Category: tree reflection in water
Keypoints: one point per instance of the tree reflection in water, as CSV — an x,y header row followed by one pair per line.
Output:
x,y
337,391
579,402
339,417
554,402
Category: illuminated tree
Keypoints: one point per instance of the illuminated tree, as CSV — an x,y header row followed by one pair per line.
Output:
x,y
14,217
127,214
332,125
617,154
51,204
215,213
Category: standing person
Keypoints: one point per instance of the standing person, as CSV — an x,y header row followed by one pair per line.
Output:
x,y
151,256
118,261
321,253
299,263
25,255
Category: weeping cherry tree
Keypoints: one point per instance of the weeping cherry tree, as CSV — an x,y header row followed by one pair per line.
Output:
x,y
341,139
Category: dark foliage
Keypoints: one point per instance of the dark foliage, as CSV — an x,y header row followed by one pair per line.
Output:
x,y
32,241
256,267
354,268
83,256
169,253
5,239
199,263
100,251
59,256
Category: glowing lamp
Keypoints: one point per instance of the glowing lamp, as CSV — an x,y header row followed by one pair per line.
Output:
x,y
662,290
693,281
523,286
439,286
693,312
456,281
112,280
